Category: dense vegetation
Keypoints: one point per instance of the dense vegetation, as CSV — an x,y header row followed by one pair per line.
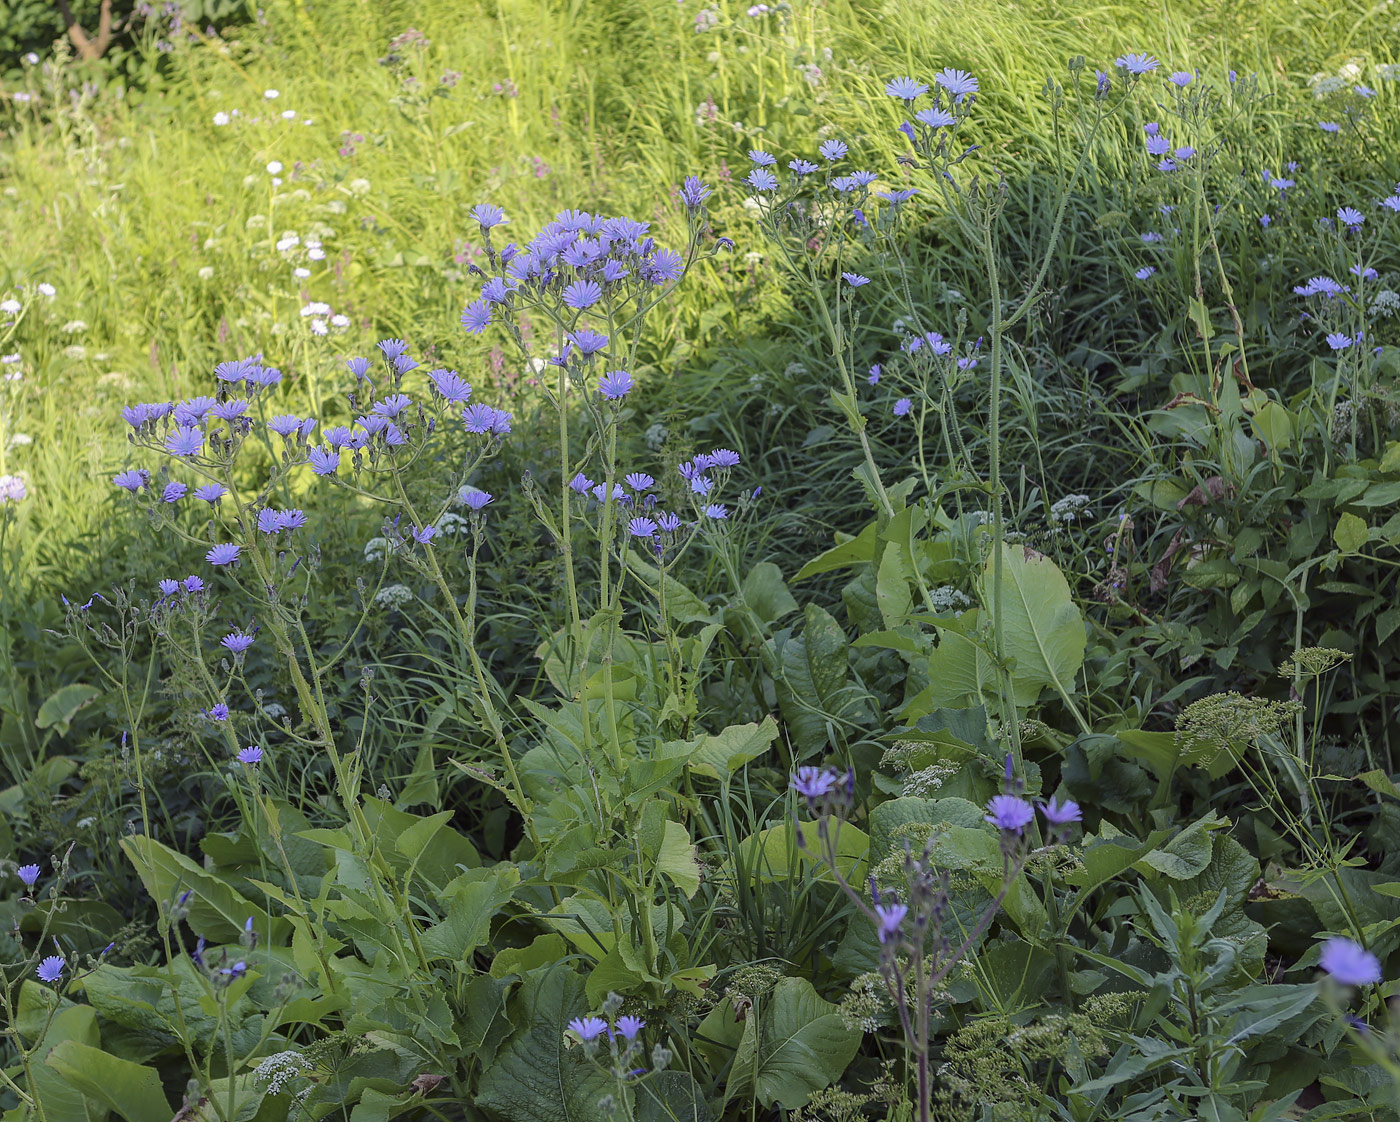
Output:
x,y
817,561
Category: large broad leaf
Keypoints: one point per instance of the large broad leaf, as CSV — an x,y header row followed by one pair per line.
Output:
x,y
540,1076
1042,627
731,748
63,1102
811,673
216,911
798,1045
132,1090
61,707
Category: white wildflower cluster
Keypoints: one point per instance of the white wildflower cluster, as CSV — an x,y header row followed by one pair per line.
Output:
x,y
321,320
393,596
376,549
1390,72
1071,508
656,436
74,327
946,598
281,1068
926,782
451,523
1385,303
274,711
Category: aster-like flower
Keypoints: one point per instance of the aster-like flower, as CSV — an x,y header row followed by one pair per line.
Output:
x,y
474,498
51,969
173,492
29,874
802,167
392,348
889,919
1009,812
723,458
1338,341
616,384
211,493
902,407
1181,78
218,713
814,782
906,89
935,117
1158,145
717,511
476,316
478,418
894,198
236,641
1349,963
225,553
168,587
1061,814
285,424
1329,126
582,294
639,480
581,483
184,441
958,83
323,461
628,1027
1350,217
761,179
488,216
588,1028
1145,272
667,522
291,519
1136,63
855,280
250,755
833,150
192,584
694,192
761,158
358,367
424,534
641,528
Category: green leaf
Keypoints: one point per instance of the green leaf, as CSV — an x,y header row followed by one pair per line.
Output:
x,y
132,1090
773,855
216,911
798,1046
676,859
811,671
62,706
541,1076
1042,628
1351,533
767,594
726,751
472,900
845,554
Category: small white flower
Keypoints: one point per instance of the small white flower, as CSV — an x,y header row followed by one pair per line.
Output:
x,y
48,290
277,181
74,327
300,273
9,360
1070,508
221,118
318,327
274,167
206,273
316,253
255,222
75,351
287,242
289,114
316,308
339,322
393,596
358,186
10,307
20,440
32,59
272,95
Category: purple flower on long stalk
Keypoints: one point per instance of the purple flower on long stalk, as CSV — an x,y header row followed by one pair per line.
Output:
x,y
226,553
1349,963
1009,812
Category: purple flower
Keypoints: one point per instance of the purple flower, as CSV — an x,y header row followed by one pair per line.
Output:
x,y
902,407
1329,126
813,782
616,384
478,418
701,484
476,316
581,483
392,405
667,522
230,410
450,386
855,280
211,492
1136,63
1158,145
588,341
666,265
173,492
716,511
29,874
761,158
1338,341
1145,272
907,89
358,367
582,294
1350,216
894,198
51,969
600,492
1185,152
192,584
890,918
588,1028
629,1027
874,378
193,411
285,424
802,167
497,290
833,150
1349,963
268,521
761,179
957,82
488,215
323,461
723,458
223,554
694,192
237,641
473,497
290,519
218,713
935,118
168,587
424,534
184,441
640,480
1008,812
641,528
250,755
1180,78
392,348
1061,814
